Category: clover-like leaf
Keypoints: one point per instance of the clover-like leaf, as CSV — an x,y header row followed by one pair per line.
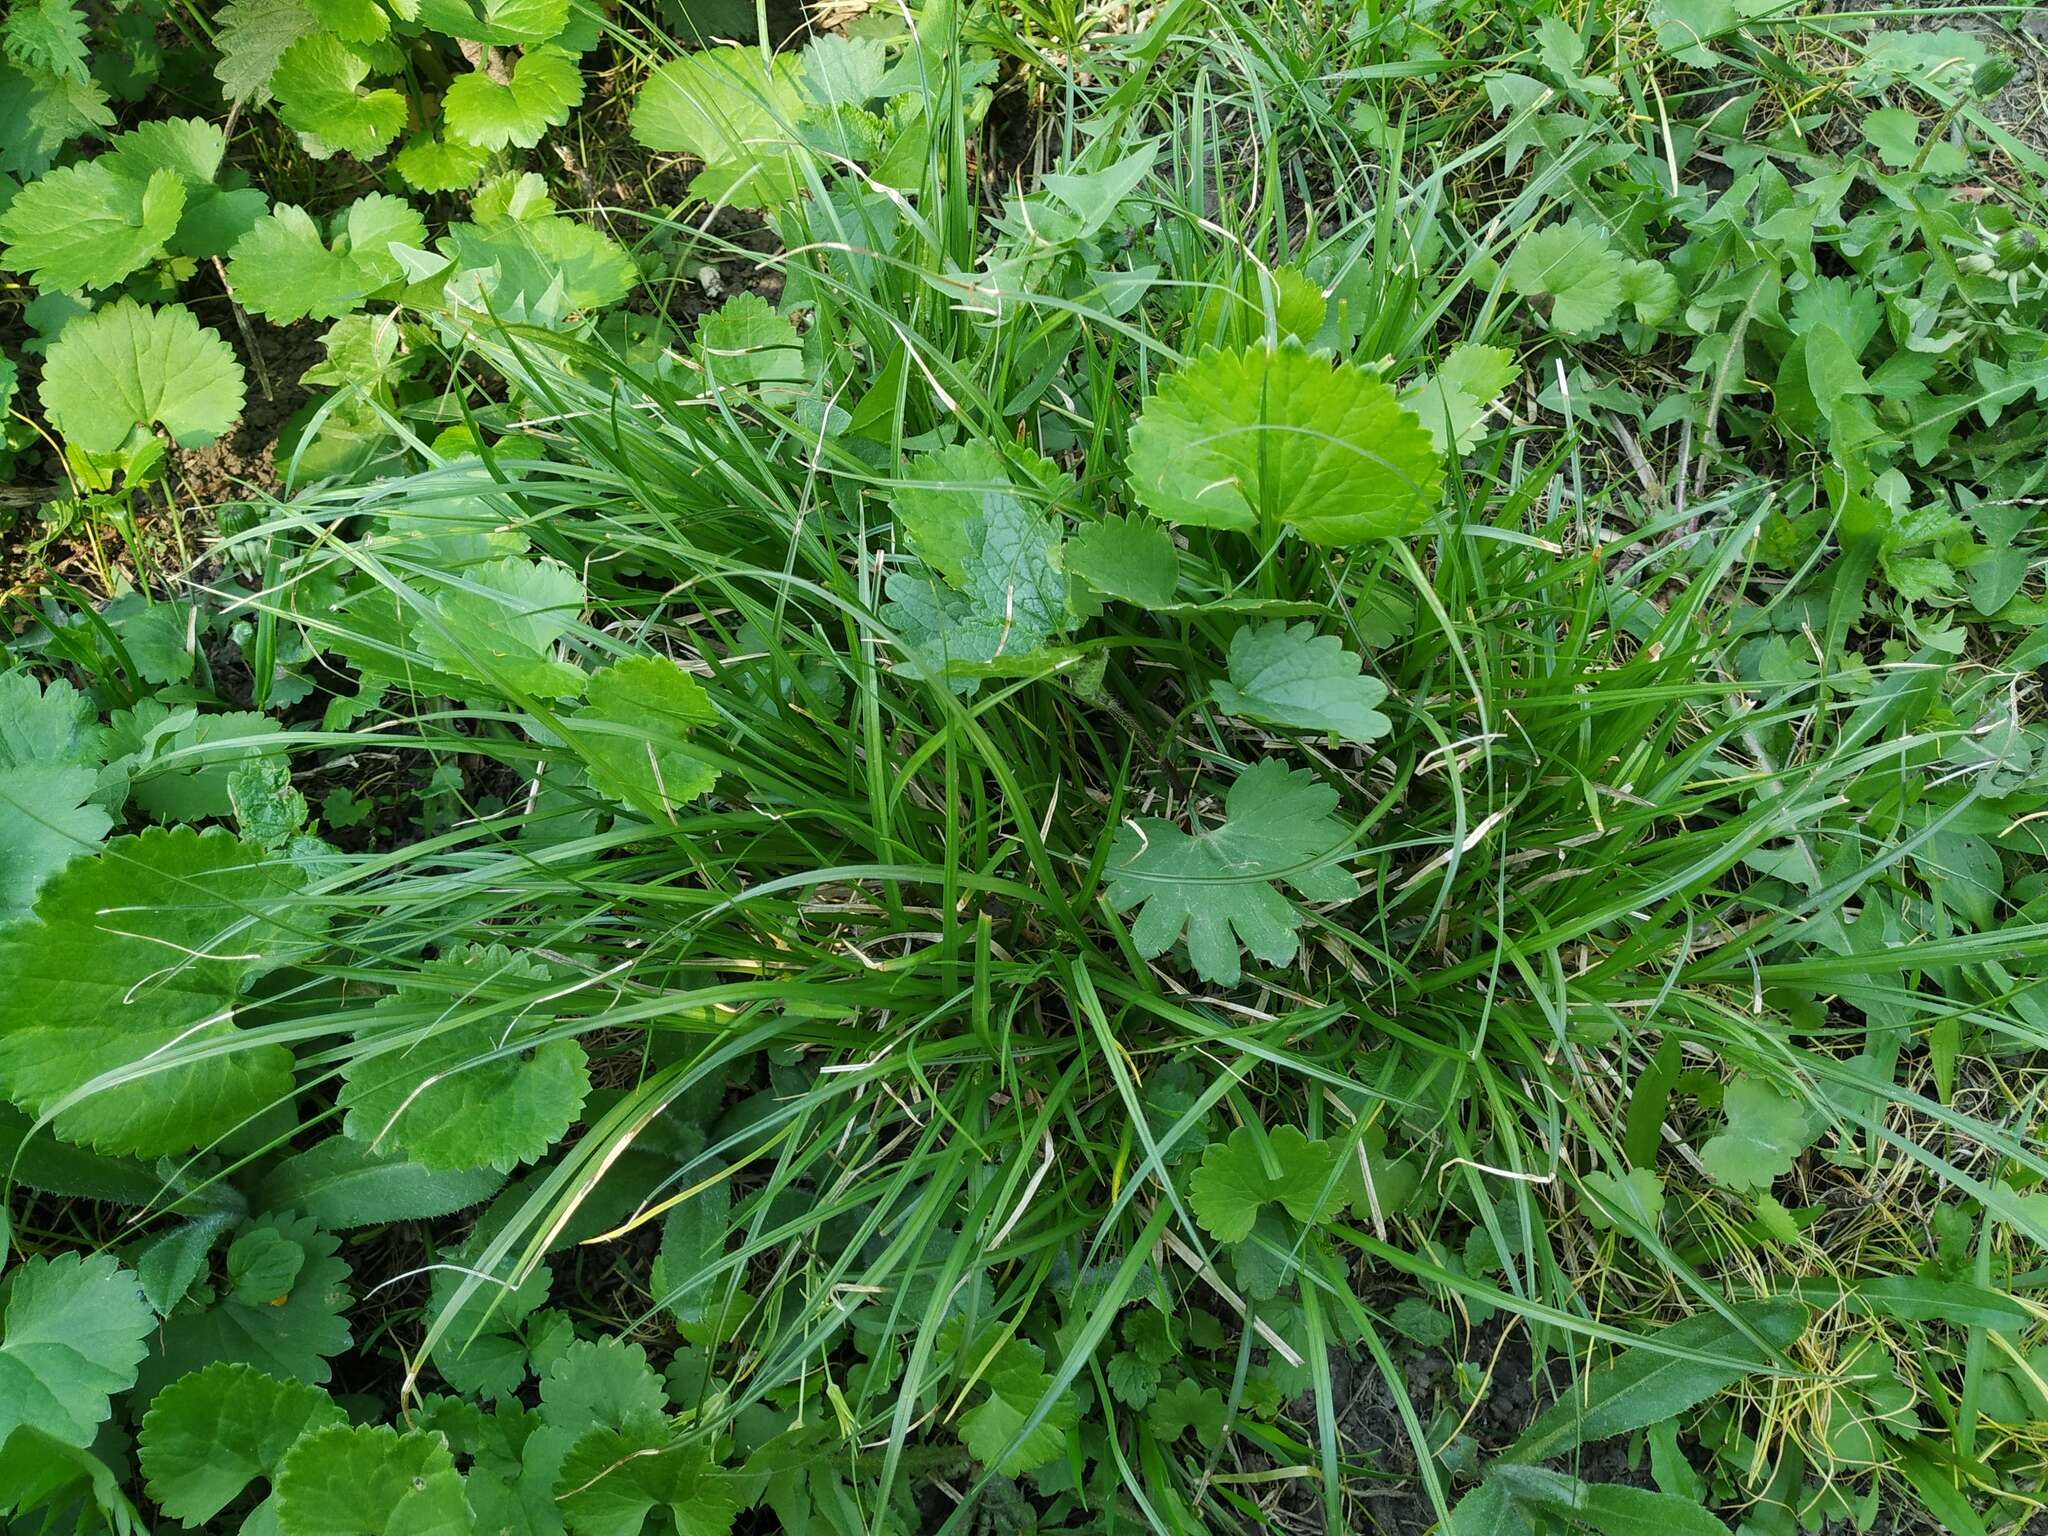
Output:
x,y
1288,675
734,111
1766,1132
1260,438
211,1434
1571,273
1637,1195
1185,1406
284,271
349,1479
72,1330
455,1079
318,88
133,960
1234,1183
86,226
1220,886
543,87
126,365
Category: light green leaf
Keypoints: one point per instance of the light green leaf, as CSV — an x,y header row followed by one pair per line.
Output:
x,y
1453,401
1185,1406
545,85
635,734
282,269
501,23
318,88
1222,886
71,1333
1288,675
1637,1195
454,1083
440,165
134,959
744,342
1649,288
732,110
209,1435
126,365
353,21
1766,1133
1571,273
1256,439
606,1381
1016,1380
1129,558
83,226
46,820
353,1479
46,36
533,255
499,627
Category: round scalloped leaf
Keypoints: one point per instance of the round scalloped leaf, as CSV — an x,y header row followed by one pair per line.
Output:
x,y
1570,272
84,226
349,1479
134,959
634,734
209,1435
544,87
71,1335
1261,437
457,1079
127,365
282,270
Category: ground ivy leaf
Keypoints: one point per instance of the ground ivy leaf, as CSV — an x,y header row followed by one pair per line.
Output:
x,y
284,271
446,1094
1766,1132
126,365
317,85
544,87
348,1479
612,1480
252,37
133,952
84,226
1221,886
1257,438
1572,273
1132,1380
72,1331
211,1434
1288,675
290,1336
733,110
634,734
1016,1380
1128,558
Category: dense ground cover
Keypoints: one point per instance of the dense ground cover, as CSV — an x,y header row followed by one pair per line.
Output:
x,y
1032,767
